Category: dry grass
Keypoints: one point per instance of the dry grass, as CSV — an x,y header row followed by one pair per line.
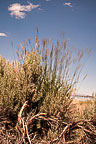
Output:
x,y
79,107
76,132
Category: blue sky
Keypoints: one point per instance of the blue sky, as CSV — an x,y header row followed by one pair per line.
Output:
x,y
76,18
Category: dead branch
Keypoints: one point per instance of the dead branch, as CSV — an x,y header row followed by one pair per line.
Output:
x,y
21,111
21,132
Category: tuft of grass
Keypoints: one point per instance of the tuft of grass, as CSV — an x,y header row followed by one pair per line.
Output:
x,y
44,75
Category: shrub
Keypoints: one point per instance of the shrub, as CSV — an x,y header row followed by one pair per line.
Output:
x,y
44,75
18,79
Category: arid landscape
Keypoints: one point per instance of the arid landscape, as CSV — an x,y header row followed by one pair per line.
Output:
x,y
47,71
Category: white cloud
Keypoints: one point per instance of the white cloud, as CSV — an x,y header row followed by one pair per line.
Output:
x,y
3,35
68,4
19,10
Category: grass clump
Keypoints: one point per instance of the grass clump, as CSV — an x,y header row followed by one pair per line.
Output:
x,y
44,76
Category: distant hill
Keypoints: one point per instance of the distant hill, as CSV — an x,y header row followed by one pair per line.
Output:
x,y
82,97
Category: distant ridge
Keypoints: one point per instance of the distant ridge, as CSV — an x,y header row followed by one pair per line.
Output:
x,y
81,96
